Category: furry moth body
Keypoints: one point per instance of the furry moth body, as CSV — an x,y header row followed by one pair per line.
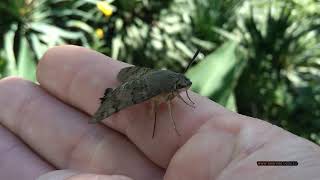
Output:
x,y
140,84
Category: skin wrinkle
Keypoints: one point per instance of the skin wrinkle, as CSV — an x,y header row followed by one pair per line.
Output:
x,y
229,160
95,153
75,145
233,135
107,170
68,87
246,151
9,149
21,109
243,152
206,119
211,175
217,119
212,119
102,142
24,121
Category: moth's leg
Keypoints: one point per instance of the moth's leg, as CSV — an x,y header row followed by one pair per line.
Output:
x,y
154,111
189,97
180,97
169,103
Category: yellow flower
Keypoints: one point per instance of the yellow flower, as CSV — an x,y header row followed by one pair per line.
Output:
x,y
100,33
104,7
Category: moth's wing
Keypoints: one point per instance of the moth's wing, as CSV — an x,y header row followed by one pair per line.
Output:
x,y
129,93
133,72
107,93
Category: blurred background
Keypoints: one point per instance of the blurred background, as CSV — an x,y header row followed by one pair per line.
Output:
x,y
260,58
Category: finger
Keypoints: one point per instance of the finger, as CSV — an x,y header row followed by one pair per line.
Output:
x,y
58,175
63,137
17,161
75,175
206,156
79,76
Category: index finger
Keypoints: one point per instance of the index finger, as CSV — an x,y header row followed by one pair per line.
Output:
x,y
80,76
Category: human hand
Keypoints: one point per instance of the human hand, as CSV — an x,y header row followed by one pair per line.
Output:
x,y
45,128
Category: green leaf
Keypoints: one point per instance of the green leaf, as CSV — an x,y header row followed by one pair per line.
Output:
x,y
2,64
228,35
116,46
26,63
11,68
38,47
81,25
217,74
231,103
54,31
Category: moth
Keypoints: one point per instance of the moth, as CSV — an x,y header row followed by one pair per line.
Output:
x,y
139,84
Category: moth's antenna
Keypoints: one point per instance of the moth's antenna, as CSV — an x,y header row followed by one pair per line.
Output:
x,y
192,60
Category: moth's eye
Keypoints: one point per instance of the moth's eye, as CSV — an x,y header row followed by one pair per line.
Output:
x,y
179,85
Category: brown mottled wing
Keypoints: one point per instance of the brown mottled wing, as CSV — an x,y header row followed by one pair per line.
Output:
x,y
129,93
133,72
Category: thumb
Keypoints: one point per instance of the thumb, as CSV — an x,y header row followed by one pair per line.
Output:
x,y
76,175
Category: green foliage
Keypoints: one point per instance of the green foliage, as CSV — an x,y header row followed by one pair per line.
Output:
x,y
26,68
153,34
28,29
282,70
2,65
210,15
165,34
216,75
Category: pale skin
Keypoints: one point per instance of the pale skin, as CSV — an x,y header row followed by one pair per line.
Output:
x,y
44,127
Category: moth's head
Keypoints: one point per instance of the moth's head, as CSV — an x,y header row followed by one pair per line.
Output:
x,y
182,83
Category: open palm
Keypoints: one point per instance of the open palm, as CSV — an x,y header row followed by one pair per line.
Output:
x,y
45,128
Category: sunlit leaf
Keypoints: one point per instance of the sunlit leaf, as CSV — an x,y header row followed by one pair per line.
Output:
x,y
11,68
38,47
26,62
217,74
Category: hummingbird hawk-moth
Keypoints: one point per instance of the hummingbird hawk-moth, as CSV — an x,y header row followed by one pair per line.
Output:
x,y
140,84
